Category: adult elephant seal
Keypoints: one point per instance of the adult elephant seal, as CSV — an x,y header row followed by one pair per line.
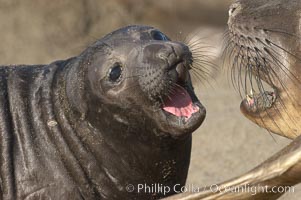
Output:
x,y
120,113
264,45
264,40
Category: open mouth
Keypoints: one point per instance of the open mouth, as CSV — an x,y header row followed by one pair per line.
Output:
x,y
180,104
260,101
181,101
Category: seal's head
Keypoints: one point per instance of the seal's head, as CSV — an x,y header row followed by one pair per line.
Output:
x,y
264,41
139,74
131,91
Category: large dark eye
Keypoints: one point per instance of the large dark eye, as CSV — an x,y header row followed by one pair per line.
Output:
x,y
157,35
115,72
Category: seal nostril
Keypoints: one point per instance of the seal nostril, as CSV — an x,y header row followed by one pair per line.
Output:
x,y
231,11
162,55
234,8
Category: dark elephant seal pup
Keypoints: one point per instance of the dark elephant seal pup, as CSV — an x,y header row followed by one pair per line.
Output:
x,y
264,40
120,113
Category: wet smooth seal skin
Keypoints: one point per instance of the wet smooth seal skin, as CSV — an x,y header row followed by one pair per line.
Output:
x,y
264,46
86,127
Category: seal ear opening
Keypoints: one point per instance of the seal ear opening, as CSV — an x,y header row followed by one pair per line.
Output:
x,y
75,86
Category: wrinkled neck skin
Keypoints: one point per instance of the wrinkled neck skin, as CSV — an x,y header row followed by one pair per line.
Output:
x,y
122,145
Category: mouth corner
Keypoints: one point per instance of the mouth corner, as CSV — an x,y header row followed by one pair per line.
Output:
x,y
257,103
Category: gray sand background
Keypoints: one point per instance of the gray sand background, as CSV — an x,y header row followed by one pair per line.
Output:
x,y
41,31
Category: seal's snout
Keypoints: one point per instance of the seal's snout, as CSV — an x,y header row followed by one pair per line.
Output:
x,y
182,55
173,59
165,64
170,53
181,64
234,10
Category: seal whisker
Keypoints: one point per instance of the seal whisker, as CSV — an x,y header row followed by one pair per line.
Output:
x,y
236,58
260,58
196,76
226,43
270,133
286,110
190,37
274,122
260,54
293,78
205,63
201,66
279,31
235,65
278,63
273,57
201,77
283,86
203,73
232,71
249,70
201,49
283,49
246,77
193,40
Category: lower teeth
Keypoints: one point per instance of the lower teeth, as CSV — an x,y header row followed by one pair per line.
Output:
x,y
269,99
263,100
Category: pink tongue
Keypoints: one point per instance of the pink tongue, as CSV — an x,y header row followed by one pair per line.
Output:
x,y
179,103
